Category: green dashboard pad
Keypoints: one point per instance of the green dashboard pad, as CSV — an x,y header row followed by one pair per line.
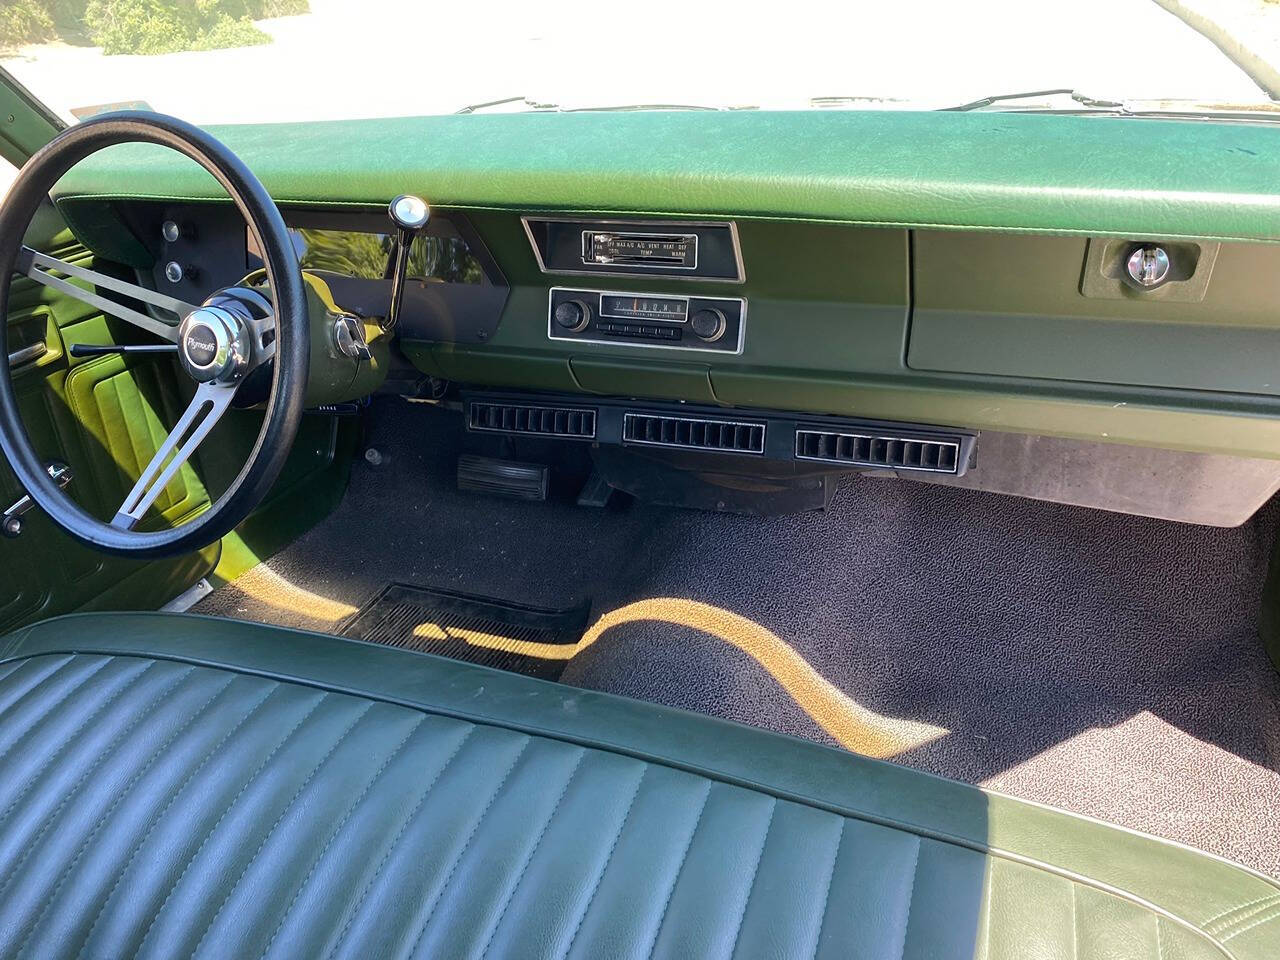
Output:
x,y
1095,176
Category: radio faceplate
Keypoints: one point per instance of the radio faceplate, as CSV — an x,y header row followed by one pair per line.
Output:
x,y
664,321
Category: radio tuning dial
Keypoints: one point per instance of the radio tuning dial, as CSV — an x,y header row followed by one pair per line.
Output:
x,y
707,324
573,315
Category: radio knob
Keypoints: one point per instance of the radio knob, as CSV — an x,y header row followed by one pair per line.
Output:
x,y
572,315
707,324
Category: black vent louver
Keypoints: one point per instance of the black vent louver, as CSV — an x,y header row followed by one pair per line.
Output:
x,y
574,423
693,433
878,450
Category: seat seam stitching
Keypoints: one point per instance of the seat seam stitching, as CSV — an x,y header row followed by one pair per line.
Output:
x,y
122,794
826,894
1222,913
1258,906
911,896
662,918
386,856
283,813
338,829
172,800
1267,916
106,661
533,851
252,777
990,878
67,660
48,820
444,886
595,887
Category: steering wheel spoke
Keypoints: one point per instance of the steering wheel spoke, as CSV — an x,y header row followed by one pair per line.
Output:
x,y
211,401
40,266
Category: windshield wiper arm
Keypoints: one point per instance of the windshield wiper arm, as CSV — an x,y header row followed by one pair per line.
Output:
x,y
1080,98
531,104
534,105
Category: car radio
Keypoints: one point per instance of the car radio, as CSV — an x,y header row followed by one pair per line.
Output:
x,y
647,320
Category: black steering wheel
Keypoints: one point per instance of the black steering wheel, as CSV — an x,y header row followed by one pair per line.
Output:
x,y
220,342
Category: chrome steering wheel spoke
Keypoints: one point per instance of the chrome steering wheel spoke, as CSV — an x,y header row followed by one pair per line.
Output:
x,y
40,266
207,407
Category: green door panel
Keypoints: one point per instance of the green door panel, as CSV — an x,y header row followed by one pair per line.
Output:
x,y
124,407
101,416
45,572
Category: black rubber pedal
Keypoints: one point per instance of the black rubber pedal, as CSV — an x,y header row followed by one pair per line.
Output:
x,y
503,478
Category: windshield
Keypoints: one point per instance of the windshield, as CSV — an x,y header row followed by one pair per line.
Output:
x,y
229,61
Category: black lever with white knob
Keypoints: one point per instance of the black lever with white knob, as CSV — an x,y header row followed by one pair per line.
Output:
x,y
410,215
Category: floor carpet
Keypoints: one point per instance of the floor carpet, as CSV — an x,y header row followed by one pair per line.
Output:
x,y
1103,663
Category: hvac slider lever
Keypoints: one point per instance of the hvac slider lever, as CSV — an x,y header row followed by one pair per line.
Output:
x,y
410,215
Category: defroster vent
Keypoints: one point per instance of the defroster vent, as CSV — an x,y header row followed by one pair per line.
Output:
x,y
693,433
878,450
567,422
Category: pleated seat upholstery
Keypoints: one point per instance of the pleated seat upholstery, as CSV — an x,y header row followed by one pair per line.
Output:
x,y
181,786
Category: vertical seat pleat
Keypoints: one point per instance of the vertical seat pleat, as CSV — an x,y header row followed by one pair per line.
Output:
x,y
240,923
376,822
113,811
61,752
53,709
546,902
870,890
23,676
785,909
728,846
235,826
627,908
481,876
389,913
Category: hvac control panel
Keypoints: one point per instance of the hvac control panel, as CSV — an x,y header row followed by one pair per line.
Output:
x,y
716,324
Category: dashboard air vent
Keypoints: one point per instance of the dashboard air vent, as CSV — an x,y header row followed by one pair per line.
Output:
x,y
693,433
571,422
878,450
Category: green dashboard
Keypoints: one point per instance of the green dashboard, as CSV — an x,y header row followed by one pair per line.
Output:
x,y
925,267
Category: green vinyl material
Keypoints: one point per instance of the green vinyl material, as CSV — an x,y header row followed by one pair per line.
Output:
x,y
191,786
1000,171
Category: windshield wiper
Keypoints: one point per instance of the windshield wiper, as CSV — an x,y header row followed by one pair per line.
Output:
x,y
1093,103
536,106
531,104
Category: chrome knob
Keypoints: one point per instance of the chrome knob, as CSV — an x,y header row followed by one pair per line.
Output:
x,y
1148,266
170,231
409,212
173,271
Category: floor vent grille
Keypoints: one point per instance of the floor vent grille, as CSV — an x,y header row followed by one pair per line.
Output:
x,y
693,433
571,422
878,450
